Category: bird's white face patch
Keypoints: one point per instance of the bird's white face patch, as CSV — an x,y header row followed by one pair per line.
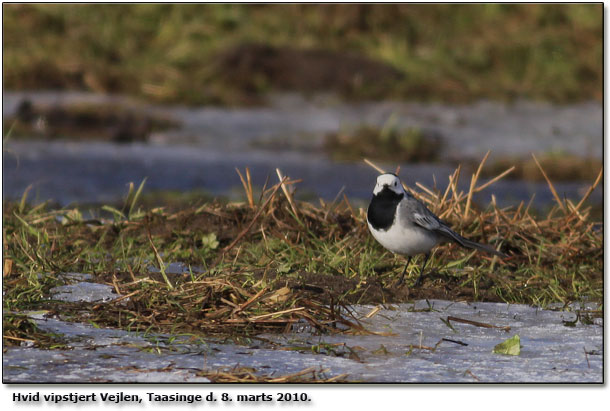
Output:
x,y
390,181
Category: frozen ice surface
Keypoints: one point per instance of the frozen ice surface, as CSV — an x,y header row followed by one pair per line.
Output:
x,y
75,277
551,351
83,291
177,268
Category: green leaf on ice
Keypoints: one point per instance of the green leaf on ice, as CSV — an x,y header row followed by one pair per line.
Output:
x,y
512,346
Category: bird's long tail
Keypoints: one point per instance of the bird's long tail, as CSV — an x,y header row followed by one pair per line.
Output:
x,y
483,247
464,242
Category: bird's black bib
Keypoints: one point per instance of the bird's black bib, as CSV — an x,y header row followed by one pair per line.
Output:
x,y
382,210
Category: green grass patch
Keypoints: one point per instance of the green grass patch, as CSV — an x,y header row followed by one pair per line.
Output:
x,y
20,329
386,144
235,54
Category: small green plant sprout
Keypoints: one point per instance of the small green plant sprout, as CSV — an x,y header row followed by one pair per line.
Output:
x,y
209,241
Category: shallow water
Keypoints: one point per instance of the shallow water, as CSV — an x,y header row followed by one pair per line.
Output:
x,y
204,151
291,121
551,351
69,172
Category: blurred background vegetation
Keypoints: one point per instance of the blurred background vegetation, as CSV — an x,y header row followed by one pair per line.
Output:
x,y
236,54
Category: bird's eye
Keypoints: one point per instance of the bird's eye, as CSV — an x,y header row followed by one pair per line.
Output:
x,y
395,183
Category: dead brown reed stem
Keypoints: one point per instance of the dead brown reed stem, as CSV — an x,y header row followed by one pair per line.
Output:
x,y
452,177
473,182
590,190
551,186
493,180
247,183
375,166
288,195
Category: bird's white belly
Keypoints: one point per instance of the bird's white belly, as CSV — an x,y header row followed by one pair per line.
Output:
x,y
406,241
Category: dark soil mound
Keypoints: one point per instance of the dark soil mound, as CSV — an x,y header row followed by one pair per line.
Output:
x,y
253,68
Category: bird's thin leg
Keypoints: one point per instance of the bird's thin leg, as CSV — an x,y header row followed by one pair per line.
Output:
x,y
421,272
402,277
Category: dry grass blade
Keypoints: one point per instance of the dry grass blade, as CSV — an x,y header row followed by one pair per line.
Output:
x,y
421,347
8,265
287,194
285,378
590,190
250,300
493,180
551,186
247,183
574,210
251,190
375,166
373,312
473,183
457,196
349,206
477,324
116,300
244,375
452,177
258,213
18,339
269,315
432,194
333,203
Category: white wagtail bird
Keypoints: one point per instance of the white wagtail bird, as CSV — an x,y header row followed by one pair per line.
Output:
x,y
404,225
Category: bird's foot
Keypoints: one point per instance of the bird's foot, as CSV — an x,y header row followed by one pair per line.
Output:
x,y
399,283
419,281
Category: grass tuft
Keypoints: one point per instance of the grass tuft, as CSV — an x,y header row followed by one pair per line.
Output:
x,y
271,264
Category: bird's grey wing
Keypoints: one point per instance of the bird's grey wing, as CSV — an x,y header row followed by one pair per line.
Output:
x,y
415,212
421,216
